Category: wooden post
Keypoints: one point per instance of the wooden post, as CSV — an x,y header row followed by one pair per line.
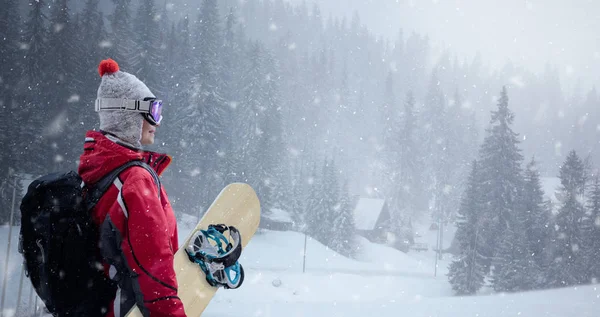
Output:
x,y
20,289
304,259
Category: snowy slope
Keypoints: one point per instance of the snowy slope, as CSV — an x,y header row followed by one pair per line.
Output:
x,y
381,282
316,298
284,251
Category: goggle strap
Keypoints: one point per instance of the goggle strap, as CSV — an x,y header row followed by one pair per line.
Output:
x,y
122,104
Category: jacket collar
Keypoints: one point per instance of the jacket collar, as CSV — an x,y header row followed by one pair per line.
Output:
x,y
101,155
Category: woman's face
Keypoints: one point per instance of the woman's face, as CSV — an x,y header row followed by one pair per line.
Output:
x,y
148,131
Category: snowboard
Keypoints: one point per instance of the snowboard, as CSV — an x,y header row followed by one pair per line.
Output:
x,y
237,205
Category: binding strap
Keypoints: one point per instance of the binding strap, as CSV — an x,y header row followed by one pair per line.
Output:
x,y
217,255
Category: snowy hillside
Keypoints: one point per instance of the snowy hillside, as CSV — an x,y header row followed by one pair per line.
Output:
x,y
354,296
380,281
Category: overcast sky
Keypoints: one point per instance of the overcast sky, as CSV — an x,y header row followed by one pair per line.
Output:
x,y
528,32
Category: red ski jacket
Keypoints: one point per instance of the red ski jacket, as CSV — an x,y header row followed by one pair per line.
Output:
x,y
138,229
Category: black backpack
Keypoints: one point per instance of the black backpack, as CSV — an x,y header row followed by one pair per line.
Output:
x,y
59,243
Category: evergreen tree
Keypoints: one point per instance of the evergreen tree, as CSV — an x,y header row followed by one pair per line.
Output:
x,y
249,116
435,137
459,148
410,167
208,100
572,175
34,85
232,63
272,149
330,196
388,172
516,270
593,233
324,214
91,46
63,107
123,45
537,222
299,198
268,151
10,24
10,71
502,181
315,215
180,95
344,234
147,62
568,258
467,273
204,115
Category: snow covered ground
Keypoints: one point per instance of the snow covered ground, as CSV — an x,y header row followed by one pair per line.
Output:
x,y
381,282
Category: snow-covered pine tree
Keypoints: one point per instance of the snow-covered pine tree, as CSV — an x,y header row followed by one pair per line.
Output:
x,y
123,45
296,207
232,65
249,115
269,152
514,268
467,273
434,137
34,92
170,52
276,159
459,151
330,194
10,25
502,182
91,47
344,233
537,223
179,96
202,128
592,220
315,216
388,115
147,62
572,175
568,261
411,168
388,170
515,265
64,107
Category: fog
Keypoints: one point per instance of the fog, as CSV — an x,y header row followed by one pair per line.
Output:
x,y
392,138
531,33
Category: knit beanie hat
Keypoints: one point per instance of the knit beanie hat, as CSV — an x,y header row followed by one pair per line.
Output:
x,y
125,125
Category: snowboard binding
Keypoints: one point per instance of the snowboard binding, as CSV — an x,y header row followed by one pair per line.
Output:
x,y
218,256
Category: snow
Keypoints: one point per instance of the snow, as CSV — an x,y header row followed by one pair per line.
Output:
x,y
280,215
351,297
284,252
367,212
551,186
379,281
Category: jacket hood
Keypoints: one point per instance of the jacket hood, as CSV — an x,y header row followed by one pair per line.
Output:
x,y
101,156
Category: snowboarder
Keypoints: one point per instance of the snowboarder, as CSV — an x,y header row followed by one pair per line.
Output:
x,y
137,226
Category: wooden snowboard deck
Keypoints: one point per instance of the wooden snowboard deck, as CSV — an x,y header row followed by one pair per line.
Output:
x,y
237,205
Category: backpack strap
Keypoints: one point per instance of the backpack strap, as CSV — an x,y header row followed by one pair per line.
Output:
x,y
96,192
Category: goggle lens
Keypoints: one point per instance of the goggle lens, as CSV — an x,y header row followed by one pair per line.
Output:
x,y
156,111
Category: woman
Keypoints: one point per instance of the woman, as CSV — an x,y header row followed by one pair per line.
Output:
x,y
138,230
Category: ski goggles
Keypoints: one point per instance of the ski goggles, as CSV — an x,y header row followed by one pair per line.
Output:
x,y
150,108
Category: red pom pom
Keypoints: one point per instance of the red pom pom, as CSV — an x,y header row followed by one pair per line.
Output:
x,y
108,66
